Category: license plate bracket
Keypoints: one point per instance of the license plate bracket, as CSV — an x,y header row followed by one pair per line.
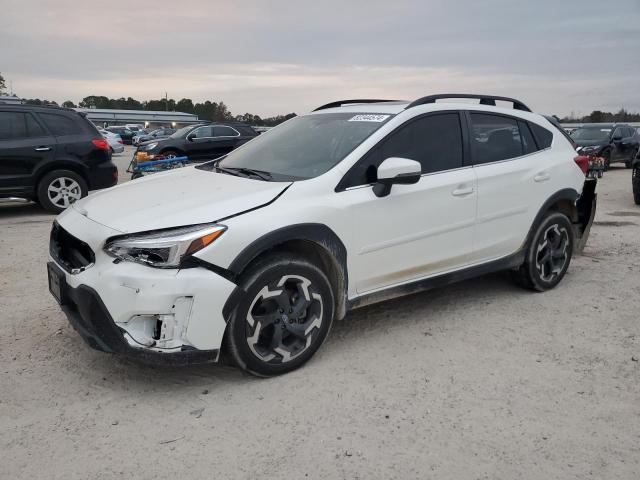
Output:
x,y
57,282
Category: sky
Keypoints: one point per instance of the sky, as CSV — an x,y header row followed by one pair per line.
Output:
x,y
273,57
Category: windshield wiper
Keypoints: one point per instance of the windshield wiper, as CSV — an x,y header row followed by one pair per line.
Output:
x,y
227,171
248,171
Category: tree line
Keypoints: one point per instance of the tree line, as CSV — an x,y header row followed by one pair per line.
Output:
x,y
597,116
207,110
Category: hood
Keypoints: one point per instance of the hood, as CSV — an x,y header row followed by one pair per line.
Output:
x,y
184,196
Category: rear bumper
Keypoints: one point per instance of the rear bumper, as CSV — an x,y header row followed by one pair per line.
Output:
x,y
90,318
104,175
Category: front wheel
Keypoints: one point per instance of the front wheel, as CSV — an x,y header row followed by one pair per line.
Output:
x,y
549,254
282,318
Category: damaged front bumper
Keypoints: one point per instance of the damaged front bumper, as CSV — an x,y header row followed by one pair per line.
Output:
x,y
165,316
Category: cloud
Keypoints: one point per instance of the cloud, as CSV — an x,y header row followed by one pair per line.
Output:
x,y
280,56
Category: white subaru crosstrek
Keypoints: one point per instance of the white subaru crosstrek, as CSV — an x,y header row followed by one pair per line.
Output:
x,y
356,202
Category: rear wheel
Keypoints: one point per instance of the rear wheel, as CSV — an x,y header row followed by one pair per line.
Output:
x,y
549,254
635,182
59,189
283,317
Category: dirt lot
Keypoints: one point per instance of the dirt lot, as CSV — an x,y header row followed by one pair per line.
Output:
x,y
478,380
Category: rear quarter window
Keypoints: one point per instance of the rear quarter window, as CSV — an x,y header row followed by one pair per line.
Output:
x,y
59,125
543,136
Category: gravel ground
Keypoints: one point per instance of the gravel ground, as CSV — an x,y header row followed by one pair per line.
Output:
x,y
477,380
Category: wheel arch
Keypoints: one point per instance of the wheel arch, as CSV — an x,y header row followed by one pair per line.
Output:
x,y
60,165
563,201
313,240
171,148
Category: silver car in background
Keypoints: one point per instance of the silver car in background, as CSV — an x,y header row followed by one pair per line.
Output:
x,y
114,140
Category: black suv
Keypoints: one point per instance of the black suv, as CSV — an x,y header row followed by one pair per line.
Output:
x,y
125,134
615,142
51,155
202,141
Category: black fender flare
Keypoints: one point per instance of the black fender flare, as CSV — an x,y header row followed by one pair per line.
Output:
x,y
569,194
317,233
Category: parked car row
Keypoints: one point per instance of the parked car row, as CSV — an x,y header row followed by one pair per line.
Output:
x,y
157,134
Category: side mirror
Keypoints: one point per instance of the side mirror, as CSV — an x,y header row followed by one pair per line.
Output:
x,y
395,170
190,138
617,138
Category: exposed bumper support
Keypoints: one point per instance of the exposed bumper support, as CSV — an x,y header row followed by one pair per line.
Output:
x,y
90,318
586,206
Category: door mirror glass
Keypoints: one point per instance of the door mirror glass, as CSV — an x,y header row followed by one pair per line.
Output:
x,y
395,170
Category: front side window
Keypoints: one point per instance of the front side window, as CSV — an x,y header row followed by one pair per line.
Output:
x,y
306,146
224,131
202,132
435,141
494,138
12,125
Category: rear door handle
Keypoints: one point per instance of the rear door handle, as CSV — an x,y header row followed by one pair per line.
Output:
x,y
542,177
461,191
43,149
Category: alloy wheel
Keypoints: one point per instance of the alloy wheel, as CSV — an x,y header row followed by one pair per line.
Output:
x,y
63,191
283,319
552,254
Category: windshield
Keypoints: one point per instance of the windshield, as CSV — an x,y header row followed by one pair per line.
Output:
x,y
181,132
305,147
591,134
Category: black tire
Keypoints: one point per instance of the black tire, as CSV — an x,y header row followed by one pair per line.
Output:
x,y
548,254
635,183
261,338
607,159
69,185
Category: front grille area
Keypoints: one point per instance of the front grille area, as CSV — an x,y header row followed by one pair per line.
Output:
x,y
72,254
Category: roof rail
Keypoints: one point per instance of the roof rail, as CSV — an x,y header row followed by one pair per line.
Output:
x,y
339,103
484,100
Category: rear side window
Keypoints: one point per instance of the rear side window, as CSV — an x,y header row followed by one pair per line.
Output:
x,y
494,138
12,125
59,125
223,131
542,135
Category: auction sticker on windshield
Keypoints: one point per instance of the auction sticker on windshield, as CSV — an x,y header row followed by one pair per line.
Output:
x,y
369,118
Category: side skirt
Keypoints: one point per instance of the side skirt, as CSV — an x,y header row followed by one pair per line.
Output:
x,y
506,263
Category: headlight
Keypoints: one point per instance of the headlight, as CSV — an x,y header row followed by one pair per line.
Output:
x,y
163,249
590,149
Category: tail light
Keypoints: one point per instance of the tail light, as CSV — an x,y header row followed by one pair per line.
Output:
x,y
583,162
100,143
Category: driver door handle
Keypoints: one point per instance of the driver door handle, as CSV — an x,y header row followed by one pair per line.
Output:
x,y
42,149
